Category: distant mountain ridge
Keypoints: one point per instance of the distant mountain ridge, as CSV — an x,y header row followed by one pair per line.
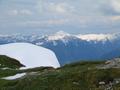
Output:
x,y
58,36
70,48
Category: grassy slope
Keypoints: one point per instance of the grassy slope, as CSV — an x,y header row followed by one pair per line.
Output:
x,y
76,76
9,62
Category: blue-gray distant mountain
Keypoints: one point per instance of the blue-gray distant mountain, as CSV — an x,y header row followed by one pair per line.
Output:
x,y
70,48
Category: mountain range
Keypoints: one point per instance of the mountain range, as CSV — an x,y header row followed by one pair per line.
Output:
x,y
71,48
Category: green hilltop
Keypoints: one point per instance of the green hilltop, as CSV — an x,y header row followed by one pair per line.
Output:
x,y
7,62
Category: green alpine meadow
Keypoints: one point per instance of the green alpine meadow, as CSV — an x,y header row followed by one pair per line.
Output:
x,y
83,75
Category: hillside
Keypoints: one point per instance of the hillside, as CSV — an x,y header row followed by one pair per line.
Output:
x,y
7,62
82,75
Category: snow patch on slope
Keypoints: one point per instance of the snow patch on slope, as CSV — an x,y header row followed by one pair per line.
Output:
x,y
14,77
30,55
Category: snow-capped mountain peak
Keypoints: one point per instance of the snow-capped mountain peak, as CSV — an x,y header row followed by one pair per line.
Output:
x,y
95,37
86,37
58,35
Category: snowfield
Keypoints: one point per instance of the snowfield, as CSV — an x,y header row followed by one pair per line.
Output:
x,y
30,55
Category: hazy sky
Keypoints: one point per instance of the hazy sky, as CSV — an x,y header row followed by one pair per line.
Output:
x,y
47,16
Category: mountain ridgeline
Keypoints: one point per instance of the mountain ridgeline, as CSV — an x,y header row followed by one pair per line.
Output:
x,y
70,48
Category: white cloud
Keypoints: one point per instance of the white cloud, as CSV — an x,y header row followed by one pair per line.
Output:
x,y
44,23
19,12
13,12
65,13
60,8
116,5
115,18
54,7
26,12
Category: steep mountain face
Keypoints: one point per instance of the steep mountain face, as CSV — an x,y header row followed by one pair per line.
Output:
x,y
69,48
82,47
113,54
